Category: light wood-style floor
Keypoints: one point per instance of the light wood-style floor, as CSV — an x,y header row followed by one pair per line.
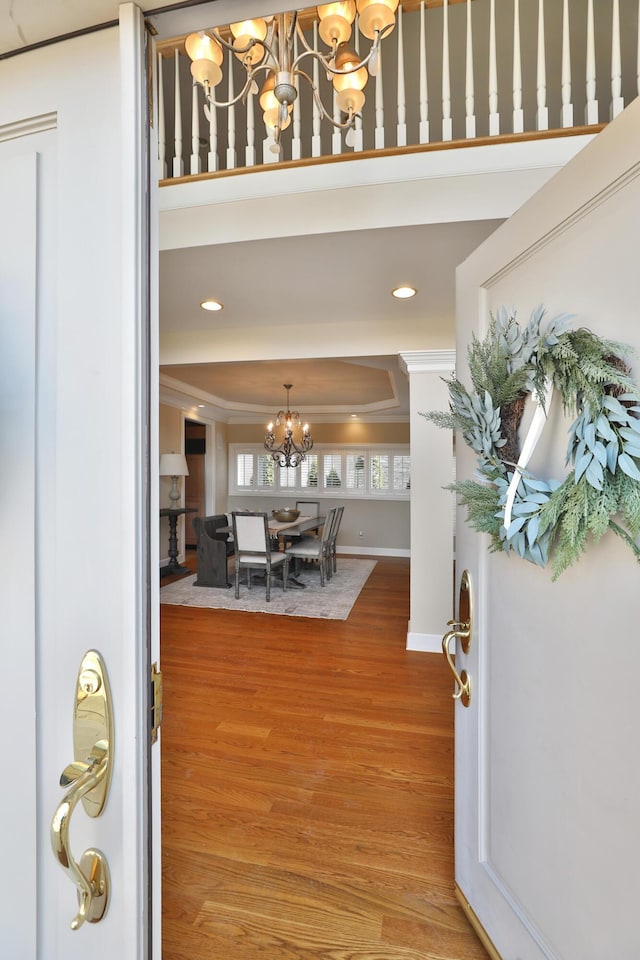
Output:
x,y
307,787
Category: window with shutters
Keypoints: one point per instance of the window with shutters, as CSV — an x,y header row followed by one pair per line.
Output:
x,y
330,471
379,467
401,472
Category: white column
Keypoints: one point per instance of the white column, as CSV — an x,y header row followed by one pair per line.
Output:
x,y
447,127
296,142
617,100
494,116
518,113
566,115
162,136
542,113
250,150
591,109
401,128
316,141
379,131
178,162
469,83
432,507
424,89
232,156
194,161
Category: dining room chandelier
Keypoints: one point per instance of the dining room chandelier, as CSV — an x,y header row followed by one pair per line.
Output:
x,y
295,439
266,47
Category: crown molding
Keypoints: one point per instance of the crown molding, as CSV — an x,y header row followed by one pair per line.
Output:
x,y
428,361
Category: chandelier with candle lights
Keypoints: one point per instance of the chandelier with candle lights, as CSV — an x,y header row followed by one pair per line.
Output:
x,y
266,48
295,440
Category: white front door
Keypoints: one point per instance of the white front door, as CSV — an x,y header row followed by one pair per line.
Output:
x,y
547,779
74,443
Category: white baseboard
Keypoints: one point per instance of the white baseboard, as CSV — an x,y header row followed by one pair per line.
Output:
x,y
424,642
376,551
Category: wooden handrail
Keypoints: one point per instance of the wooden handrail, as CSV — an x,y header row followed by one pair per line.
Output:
x,y
394,152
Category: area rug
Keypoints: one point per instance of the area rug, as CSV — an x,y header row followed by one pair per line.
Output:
x,y
331,602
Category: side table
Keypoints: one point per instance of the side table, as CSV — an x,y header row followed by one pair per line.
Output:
x,y
173,513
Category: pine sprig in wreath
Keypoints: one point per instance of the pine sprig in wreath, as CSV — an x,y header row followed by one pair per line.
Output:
x,y
551,521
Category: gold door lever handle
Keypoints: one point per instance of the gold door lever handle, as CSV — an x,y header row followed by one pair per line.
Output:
x,y
461,630
88,779
463,680
91,875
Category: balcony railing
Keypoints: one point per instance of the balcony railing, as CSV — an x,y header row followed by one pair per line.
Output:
x,y
455,72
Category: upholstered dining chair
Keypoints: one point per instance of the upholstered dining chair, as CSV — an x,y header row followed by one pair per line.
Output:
x,y
309,548
253,550
331,543
308,508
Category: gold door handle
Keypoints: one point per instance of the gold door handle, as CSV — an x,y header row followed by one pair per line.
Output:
x,y
461,630
91,875
463,680
89,778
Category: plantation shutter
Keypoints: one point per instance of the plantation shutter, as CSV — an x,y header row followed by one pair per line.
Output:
x,y
244,469
356,478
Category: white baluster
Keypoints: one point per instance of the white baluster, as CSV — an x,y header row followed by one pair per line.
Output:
x,y
162,135
469,85
358,136
591,110
213,162
494,116
195,165
447,128
232,157
542,114
617,100
178,163
296,142
566,116
336,136
518,113
316,142
424,90
379,131
401,129
250,156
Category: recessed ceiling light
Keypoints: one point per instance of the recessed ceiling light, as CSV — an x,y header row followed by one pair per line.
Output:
x,y
354,416
403,293
211,304
201,405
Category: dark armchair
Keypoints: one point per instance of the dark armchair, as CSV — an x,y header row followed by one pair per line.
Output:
x,y
214,549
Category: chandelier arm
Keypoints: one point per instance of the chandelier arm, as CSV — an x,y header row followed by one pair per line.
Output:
x,y
266,43
228,103
327,63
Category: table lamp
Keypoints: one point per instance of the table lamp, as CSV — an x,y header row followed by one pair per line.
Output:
x,y
173,465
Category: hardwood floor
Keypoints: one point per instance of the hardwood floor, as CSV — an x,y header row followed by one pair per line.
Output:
x,y
307,787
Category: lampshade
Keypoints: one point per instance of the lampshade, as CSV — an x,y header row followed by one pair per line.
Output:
x,y
173,465
245,31
349,86
336,20
207,56
376,15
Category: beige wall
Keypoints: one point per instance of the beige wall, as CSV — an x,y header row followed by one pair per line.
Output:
x,y
352,432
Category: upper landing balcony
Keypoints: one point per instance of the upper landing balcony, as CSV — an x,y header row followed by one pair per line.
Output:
x,y
449,75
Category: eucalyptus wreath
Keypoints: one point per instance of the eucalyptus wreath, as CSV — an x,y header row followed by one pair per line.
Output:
x,y
550,521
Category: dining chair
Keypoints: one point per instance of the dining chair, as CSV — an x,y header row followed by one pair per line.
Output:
x,y
308,508
333,537
314,548
253,549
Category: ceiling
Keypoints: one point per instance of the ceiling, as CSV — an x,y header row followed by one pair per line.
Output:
x,y
294,285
